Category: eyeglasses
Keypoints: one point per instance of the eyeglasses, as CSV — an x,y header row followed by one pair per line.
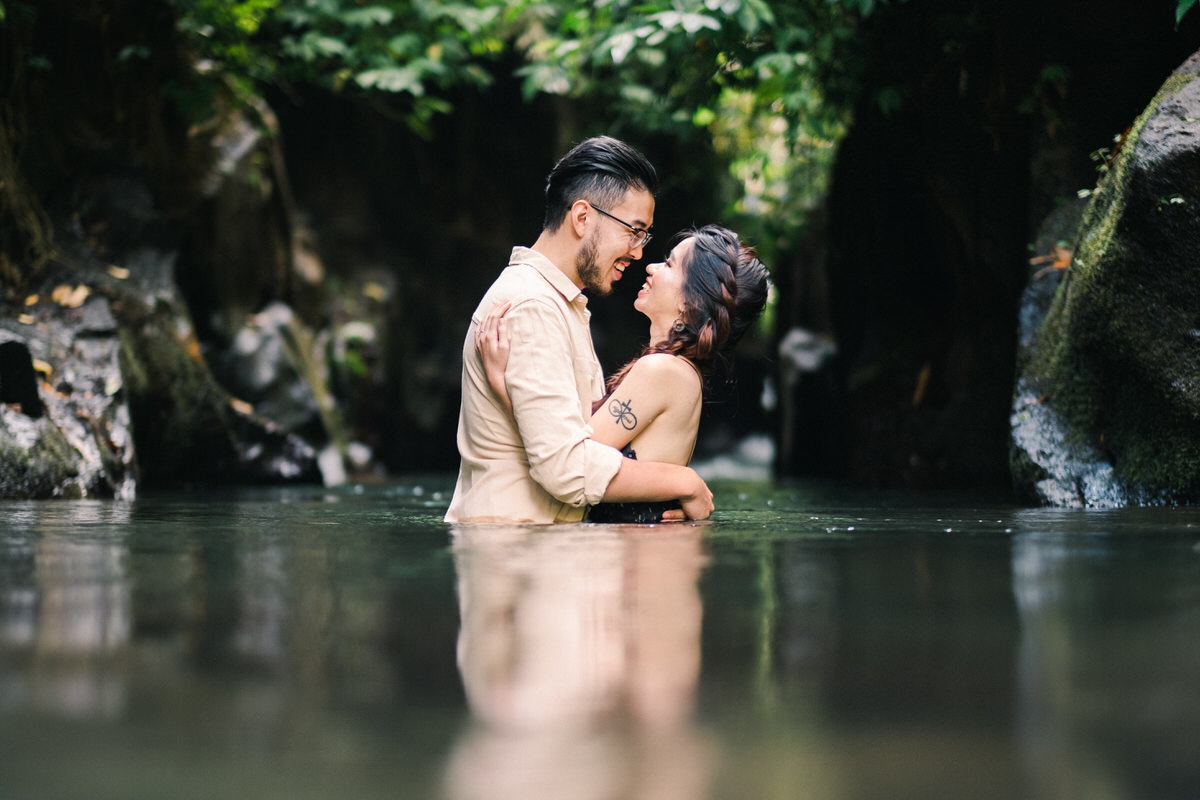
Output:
x,y
639,237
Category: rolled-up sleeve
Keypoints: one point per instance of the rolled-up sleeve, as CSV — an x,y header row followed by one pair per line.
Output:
x,y
544,378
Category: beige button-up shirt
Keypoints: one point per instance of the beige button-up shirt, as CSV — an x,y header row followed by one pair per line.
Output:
x,y
542,465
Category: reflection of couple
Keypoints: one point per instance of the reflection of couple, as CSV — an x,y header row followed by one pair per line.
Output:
x,y
580,658
532,449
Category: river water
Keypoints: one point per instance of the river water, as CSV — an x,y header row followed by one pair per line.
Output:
x,y
807,642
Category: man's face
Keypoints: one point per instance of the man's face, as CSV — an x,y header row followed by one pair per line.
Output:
x,y
609,248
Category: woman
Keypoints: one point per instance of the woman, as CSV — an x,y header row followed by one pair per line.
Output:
x,y
699,302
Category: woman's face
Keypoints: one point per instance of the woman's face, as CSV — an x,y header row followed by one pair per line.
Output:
x,y
661,296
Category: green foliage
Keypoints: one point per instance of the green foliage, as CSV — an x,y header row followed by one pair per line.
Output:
x,y
395,53
767,84
770,84
1182,7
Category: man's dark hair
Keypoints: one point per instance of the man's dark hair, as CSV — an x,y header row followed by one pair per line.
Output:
x,y
600,170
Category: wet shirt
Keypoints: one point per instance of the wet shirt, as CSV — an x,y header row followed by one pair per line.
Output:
x,y
538,464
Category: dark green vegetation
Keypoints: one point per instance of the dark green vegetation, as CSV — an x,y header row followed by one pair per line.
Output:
x,y
403,145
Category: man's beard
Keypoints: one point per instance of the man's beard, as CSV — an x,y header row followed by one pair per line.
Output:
x,y
589,272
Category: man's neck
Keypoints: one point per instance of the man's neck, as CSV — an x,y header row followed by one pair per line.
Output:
x,y
561,254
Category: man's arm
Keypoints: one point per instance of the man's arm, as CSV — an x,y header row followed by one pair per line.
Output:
x,y
544,376
648,481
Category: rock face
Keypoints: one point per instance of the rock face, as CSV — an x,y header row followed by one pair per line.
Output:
x,y
145,220
103,390
1106,408
188,427
104,384
63,429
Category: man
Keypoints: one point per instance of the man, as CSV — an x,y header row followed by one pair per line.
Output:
x,y
539,464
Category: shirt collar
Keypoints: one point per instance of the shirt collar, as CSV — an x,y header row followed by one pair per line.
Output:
x,y
553,275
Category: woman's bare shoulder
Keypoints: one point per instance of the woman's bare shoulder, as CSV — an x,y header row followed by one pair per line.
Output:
x,y
665,367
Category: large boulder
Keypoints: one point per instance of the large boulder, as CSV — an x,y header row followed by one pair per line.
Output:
x,y
139,230
105,385
1106,408
187,425
103,390
64,428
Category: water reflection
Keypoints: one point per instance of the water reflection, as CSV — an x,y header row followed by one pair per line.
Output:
x,y
328,644
1107,662
579,650
65,606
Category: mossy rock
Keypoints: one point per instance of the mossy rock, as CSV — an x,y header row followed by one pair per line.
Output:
x,y
187,426
1116,362
37,460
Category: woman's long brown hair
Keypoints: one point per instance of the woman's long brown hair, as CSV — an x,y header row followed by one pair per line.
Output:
x,y
724,291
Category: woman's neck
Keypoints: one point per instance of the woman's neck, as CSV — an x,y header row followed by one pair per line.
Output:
x,y
659,333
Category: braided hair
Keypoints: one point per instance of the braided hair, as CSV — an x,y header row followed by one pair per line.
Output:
x,y
724,291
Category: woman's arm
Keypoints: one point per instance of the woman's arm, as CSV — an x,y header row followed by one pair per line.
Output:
x,y
655,385
651,481
492,341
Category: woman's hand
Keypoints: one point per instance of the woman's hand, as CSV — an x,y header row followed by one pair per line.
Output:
x,y
491,341
696,505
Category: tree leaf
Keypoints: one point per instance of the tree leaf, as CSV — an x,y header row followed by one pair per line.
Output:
x,y
391,79
366,17
1182,9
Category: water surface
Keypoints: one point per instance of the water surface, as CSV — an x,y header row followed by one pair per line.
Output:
x,y
807,642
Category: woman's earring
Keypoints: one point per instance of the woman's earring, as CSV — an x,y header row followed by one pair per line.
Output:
x,y
678,326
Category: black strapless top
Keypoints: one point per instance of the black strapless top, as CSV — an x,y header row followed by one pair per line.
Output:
x,y
639,513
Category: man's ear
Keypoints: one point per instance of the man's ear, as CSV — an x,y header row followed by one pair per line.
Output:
x,y
577,217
